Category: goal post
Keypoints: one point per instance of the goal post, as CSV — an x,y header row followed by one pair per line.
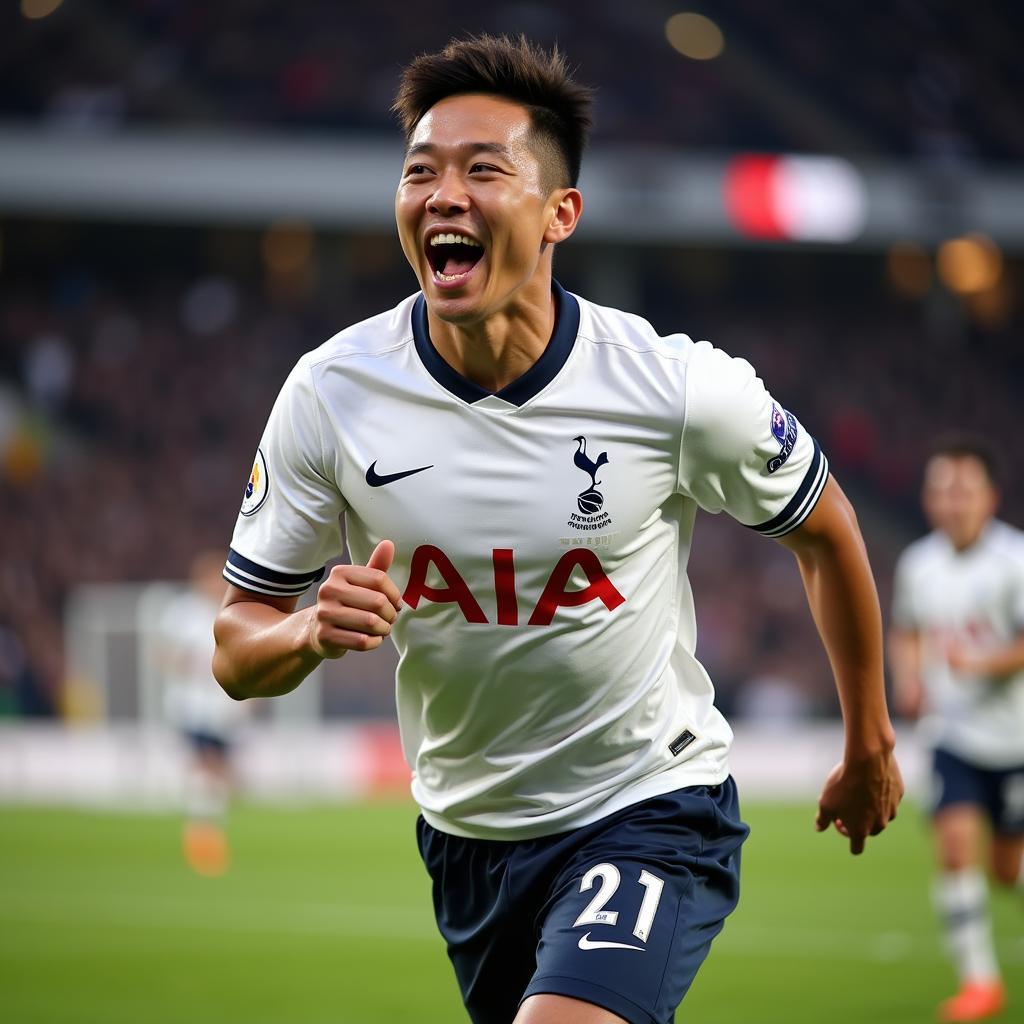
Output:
x,y
112,638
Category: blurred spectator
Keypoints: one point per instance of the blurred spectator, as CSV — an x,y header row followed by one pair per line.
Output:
x,y
934,80
49,369
19,689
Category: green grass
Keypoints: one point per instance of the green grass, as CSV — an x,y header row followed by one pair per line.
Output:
x,y
324,917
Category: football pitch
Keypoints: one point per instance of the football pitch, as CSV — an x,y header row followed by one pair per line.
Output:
x,y
324,918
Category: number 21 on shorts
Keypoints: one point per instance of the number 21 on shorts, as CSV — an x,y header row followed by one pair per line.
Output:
x,y
594,912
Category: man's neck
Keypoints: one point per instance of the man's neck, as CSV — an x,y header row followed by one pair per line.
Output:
x,y
500,348
964,543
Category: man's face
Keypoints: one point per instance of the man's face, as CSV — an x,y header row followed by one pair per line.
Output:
x,y
958,497
471,171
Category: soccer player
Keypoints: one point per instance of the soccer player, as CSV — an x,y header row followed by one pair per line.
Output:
x,y
199,709
518,470
957,652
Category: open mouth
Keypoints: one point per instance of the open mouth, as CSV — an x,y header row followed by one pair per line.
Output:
x,y
452,256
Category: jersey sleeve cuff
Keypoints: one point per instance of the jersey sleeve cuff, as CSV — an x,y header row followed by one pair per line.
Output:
x,y
250,575
800,506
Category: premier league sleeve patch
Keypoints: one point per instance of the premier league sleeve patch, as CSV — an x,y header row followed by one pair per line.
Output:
x,y
784,430
258,487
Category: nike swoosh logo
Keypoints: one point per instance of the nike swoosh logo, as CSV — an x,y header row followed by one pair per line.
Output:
x,y
375,479
587,943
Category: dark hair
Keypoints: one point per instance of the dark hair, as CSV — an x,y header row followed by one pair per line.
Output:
x,y
971,446
514,69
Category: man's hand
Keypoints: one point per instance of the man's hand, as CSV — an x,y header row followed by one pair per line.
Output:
x,y
860,798
355,606
964,661
992,665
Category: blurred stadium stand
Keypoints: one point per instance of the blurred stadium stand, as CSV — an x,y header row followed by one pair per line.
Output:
x,y
931,78
141,348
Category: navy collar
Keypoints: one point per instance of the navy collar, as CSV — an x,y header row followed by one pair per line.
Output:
x,y
522,389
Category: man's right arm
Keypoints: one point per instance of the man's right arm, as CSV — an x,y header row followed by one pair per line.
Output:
x,y
265,647
904,642
905,663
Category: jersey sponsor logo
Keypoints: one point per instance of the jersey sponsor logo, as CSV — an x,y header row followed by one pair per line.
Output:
x,y
589,501
430,561
375,479
258,487
586,942
784,430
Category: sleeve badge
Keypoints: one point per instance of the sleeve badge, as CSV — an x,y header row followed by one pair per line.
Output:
x,y
258,487
784,430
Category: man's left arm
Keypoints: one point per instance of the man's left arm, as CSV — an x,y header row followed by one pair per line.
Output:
x,y
998,664
863,791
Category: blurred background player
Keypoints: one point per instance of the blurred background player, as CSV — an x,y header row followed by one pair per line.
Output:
x,y
205,715
957,650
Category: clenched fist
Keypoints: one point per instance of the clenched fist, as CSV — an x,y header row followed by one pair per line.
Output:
x,y
356,606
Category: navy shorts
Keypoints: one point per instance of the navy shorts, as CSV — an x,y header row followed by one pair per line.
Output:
x,y
998,792
620,913
207,742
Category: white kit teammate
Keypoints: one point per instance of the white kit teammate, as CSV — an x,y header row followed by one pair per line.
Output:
x,y
206,718
957,647
518,471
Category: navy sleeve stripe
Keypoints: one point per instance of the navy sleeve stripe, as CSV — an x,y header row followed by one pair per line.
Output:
x,y
800,506
249,575
271,576
256,588
248,583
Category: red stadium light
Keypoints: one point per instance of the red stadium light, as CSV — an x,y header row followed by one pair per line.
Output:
x,y
801,198
749,196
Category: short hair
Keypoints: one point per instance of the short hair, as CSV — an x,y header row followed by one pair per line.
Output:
x,y
514,69
973,446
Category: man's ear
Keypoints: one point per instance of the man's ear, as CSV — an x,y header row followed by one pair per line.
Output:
x,y
565,214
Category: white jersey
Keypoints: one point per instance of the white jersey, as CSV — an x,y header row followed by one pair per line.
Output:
x,y
974,599
192,699
547,675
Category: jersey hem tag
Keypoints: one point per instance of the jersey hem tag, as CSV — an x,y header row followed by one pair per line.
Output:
x,y
681,742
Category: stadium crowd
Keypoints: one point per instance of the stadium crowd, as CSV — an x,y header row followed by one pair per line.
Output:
x,y
939,83
130,405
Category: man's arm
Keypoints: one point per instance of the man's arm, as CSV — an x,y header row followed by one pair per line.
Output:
x,y
863,791
905,662
265,647
999,663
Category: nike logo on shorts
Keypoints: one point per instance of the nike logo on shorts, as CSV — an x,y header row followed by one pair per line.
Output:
x,y
587,943
375,479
